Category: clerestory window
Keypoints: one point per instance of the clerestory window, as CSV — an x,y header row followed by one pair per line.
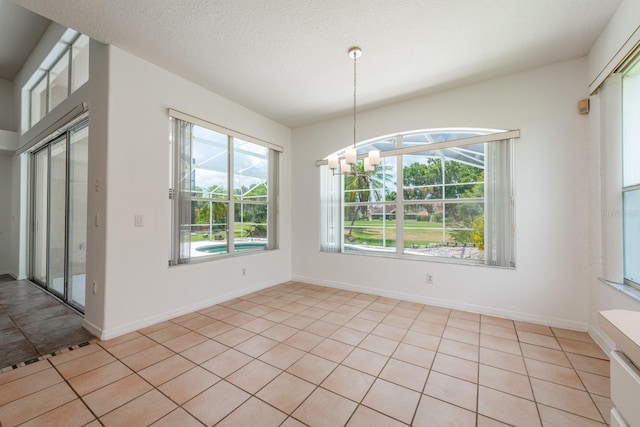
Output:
x,y
444,194
64,70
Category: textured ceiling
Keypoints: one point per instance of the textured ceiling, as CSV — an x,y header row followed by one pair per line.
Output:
x,y
287,59
20,30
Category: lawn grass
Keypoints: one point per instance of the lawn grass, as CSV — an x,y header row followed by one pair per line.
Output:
x,y
419,233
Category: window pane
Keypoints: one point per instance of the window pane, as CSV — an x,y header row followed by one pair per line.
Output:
x,y
382,145
250,171
80,62
77,235
57,226
465,223
250,230
208,228
437,136
209,164
378,186
39,101
423,176
59,81
465,191
370,227
631,126
462,174
451,230
631,219
40,215
423,227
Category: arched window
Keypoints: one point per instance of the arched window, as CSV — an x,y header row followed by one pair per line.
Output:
x,y
437,194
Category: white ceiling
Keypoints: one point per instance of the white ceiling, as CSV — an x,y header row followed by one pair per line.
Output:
x,y
20,30
287,59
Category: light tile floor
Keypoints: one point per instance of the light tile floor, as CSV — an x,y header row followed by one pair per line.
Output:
x,y
298,354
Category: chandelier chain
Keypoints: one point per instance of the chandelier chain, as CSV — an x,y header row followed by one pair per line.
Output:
x,y
355,60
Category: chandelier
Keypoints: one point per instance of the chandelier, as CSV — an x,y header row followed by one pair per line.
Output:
x,y
348,164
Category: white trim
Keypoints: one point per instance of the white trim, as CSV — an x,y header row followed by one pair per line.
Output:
x,y
473,308
106,334
423,148
628,290
56,128
616,60
218,128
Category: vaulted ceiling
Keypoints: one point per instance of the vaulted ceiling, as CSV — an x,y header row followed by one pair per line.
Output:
x,y
20,30
287,59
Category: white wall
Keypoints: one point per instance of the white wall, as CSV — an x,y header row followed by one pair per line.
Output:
x,y
136,287
5,214
18,222
551,282
6,106
620,35
8,140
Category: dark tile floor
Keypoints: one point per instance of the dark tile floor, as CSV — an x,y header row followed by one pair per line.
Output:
x,y
34,323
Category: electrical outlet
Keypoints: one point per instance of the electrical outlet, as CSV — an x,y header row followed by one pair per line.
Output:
x,y
243,271
429,279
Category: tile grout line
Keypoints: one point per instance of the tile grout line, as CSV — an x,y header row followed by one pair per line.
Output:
x,y
48,355
339,326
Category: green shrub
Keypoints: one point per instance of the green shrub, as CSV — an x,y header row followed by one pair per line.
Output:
x,y
478,232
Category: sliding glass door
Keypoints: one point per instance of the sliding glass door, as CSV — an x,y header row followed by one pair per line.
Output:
x,y
77,217
59,222
57,201
40,216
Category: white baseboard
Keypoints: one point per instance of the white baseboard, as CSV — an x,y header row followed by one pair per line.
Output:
x,y
601,339
93,329
596,333
107,334
12,274
491,311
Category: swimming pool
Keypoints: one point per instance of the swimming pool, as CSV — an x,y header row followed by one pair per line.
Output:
x,y
239,247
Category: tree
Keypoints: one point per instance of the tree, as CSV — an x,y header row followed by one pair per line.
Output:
x,y
361,188
357,189
423,181
201,211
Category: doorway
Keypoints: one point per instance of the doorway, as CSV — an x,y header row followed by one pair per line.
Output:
x,y
59,215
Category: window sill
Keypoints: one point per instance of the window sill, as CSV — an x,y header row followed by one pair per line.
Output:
x,y
207,258
625,289
409,257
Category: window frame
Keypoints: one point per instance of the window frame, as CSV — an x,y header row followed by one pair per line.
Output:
x,y
502,257
177,254
630,218
44,74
